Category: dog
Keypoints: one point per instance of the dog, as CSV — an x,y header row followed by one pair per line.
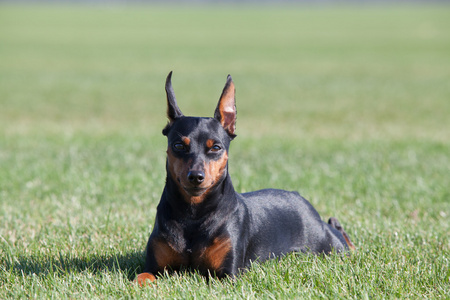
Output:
x,y
202,223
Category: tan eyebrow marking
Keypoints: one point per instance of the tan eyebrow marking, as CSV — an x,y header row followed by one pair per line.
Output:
x,y
209,143
186,140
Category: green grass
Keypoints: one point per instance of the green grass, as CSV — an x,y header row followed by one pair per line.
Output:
x,y
348,105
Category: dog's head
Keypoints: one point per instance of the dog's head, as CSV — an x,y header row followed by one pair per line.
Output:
x,y
197,151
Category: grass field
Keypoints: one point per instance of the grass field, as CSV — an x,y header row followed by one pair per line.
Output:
x,y
348,105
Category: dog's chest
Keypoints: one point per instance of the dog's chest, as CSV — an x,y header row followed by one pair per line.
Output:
x,y
205,256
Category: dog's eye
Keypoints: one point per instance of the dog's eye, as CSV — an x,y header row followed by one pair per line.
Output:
x,y
215,148
179,146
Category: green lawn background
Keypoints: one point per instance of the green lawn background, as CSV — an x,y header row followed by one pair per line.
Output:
x,y
348,105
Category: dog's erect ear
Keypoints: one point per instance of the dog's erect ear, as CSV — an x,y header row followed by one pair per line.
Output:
x,y
173,111
226,108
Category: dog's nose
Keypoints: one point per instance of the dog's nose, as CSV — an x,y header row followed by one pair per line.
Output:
x,y
196,177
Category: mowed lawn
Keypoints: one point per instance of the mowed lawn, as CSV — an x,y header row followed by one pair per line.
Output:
x,y
348,105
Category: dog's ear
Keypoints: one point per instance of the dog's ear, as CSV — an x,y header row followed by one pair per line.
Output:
x,y
173,111
226,108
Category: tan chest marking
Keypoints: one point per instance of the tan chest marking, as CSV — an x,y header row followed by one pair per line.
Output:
x,y
214,255
165,255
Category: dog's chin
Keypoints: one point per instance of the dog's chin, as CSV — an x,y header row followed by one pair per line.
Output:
x,y
194,191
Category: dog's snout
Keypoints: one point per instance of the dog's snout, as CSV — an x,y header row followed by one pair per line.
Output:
x,y
196,177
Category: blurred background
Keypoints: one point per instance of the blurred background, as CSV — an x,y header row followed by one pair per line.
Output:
x,y
355,70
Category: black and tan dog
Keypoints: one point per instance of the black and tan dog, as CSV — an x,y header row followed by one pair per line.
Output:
x,y
204,224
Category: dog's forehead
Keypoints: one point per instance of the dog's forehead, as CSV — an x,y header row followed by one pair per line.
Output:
x,y
198,128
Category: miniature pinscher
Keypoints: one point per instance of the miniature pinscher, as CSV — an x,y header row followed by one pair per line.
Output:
x,y
202,223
